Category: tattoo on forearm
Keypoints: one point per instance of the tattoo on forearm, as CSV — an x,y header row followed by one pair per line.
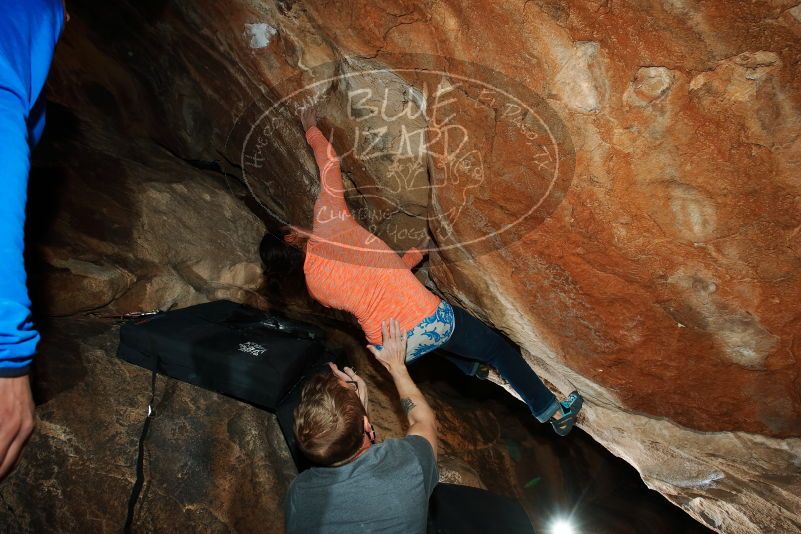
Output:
x,y
407,405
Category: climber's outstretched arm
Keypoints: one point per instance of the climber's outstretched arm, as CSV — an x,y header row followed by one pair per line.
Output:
x,y
415,255
412,257
331,203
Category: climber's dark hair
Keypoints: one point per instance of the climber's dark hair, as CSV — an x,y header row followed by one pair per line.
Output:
x,y
277,255
283,266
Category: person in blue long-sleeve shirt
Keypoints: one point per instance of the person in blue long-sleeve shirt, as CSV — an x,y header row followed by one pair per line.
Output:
x,y
29,30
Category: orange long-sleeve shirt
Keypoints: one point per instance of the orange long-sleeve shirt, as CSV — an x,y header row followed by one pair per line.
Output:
x,y
349,268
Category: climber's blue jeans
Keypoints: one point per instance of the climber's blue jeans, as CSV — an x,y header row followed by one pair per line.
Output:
x,y
472,342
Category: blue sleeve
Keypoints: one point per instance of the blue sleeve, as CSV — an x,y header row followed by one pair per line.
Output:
x,y
17,336
28,33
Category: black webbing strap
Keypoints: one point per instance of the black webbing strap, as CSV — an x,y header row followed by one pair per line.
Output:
x,y
140,460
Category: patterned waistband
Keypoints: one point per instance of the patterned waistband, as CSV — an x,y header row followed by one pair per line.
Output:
x,y
430,333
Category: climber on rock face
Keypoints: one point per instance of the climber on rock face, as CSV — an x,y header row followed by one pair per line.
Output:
x,y
349,491
28,33
349,268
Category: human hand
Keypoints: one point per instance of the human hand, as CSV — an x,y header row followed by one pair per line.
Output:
x,y
351,379
392,354
308,117
16,420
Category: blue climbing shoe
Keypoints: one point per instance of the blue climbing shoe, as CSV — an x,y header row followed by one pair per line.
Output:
x,y
570,407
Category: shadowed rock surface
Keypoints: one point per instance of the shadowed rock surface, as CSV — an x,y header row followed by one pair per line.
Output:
x,y
661,278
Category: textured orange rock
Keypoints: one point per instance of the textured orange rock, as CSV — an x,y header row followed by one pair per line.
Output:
x,y
673,239
665,285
